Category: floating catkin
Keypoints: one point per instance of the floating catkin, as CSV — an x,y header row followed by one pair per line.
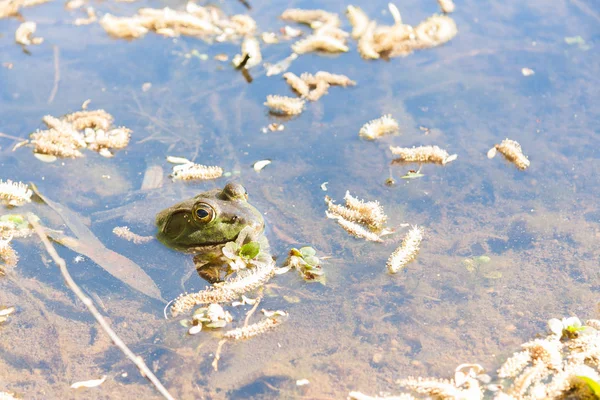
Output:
x,y
97,119
245,281
371,211
512,151
309,17
24,34
285,105
191,171
318,92
124,233
297,84
407,251
319,43
358,19
354,228
366,43
379,127
447,6
14,193
432,154
8,255
435,30
249,331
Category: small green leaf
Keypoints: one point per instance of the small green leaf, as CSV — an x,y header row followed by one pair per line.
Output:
x,y
295,252
482,259
413,175
307,251
592,384
469,264
216,324
250,250
312,261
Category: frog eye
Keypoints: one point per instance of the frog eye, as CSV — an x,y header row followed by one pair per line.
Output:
x,y
203,213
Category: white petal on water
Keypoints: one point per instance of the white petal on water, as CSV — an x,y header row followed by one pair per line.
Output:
x,y
178,160
302,382
492,153
89,384
259,165
195,329
45,157
7,311
324,186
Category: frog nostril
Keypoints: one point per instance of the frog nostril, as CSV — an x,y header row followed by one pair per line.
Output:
x,y
234,218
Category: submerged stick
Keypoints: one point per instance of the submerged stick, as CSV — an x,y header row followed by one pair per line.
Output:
x,y
138,361
56,74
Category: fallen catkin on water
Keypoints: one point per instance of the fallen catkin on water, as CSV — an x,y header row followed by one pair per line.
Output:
x,y
191,171
432,154
358,19
379,127
407,251
332,79
245,281
321,90
124,233
296,83
285,105
512,151
354,228
319,43
14,193
252,330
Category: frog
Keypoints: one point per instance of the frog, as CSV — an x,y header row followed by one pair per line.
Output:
x,y
205,223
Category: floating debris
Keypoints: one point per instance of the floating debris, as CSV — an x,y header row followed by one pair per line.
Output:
x,y
252,330
307,264
207,23
251,49
527,71
24,34
260,165
213,317
192,171
5,313
358,19
124,233
407,251
89,384
379,127
285,105
91,18
14,193
296,83
447,6
399,39
431,154
65,138
321,89
512,151
245,281
313,18
357,212
319,43
8,256
281,66
332,79
9,8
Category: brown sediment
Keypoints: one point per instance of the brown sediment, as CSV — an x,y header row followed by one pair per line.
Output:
x,y
422,154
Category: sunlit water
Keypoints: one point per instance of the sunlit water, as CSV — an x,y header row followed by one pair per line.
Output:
x,y
365,328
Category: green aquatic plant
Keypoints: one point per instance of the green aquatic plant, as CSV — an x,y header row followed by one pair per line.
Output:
x,y
239,257
307,264
476,265
213,316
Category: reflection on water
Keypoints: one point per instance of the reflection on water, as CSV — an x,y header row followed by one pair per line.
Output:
x,y
365,328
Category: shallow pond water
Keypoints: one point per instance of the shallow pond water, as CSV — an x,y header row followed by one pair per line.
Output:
x,y
365,328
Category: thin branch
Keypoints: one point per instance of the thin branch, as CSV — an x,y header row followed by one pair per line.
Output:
x,y
252,311
138,361
56,74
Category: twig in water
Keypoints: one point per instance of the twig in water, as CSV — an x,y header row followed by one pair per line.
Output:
x,y
252,311
56,74
138,361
